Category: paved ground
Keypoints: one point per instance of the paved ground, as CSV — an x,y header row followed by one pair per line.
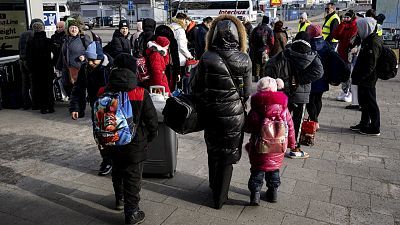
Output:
x,y
48,166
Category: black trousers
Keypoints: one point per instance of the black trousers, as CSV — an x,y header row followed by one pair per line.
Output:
x,y
42,90
220,175
314,106
26,84
297,111
127,182
370,115
272,180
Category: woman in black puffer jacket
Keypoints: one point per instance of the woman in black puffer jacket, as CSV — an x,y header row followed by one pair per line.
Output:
x,y
220,101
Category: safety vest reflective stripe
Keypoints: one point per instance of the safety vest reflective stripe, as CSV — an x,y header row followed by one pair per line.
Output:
x,y
304,27
379,30
326,30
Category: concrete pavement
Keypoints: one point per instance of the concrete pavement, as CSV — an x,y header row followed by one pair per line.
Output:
x,y
48,175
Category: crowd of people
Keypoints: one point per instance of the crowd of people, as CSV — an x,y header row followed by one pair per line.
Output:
x,y
291,79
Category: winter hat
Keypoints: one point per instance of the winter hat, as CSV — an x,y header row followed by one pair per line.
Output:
x,y
301,42
125,60
123,76
123,23
350,14
149,25
278,26
94,51
366,26
162,41
304,15
314,30
74,22
267,84
37,27
36,20
265,20
380,18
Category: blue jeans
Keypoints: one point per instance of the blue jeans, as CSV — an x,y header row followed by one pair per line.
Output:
x,y
256,180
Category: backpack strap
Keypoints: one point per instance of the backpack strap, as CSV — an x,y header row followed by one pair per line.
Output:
x,y
137,94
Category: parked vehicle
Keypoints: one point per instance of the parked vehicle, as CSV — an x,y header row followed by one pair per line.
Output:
x,y
115,20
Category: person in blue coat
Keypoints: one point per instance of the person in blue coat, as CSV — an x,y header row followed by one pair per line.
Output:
x,y
321,85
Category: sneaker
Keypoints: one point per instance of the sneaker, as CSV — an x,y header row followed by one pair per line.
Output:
x,y
348,97
119,204
255,199
369,131
341,96
272,195
356,127
105,168
136,217
297,154
356,107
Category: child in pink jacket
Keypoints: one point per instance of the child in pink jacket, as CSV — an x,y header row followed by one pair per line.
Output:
x,y
267,103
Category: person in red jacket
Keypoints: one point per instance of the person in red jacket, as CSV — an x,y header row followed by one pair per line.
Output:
x,y
158,59
344,33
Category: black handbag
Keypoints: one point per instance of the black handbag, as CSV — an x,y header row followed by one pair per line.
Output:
x,y
181,114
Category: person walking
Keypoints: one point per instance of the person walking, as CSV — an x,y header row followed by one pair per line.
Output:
x,y
298,66
128,159
221,83
331,22
157,53
27,87
139,30
267,103
364,75
280,38
92,75
303,22
321,85
345,32
261,43
38,56
120,42
58,39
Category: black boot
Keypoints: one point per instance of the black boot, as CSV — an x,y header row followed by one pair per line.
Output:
x,y
255,198
272,195
134,217
119,202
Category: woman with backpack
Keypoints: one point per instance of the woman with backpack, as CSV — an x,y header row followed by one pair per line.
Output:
x,y
268,108
222,84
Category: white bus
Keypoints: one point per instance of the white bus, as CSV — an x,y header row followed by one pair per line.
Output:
x,y
199,9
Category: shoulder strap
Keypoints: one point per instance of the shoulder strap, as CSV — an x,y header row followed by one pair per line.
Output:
x,y
233,80
137,94
83,41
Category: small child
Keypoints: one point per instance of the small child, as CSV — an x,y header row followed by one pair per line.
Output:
x,y
268,107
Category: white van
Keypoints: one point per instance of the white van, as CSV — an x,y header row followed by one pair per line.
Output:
x,y
115,20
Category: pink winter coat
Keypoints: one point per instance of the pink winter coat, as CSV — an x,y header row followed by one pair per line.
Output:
x,y
262,105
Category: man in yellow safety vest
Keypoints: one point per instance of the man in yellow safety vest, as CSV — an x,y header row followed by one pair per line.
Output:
x,y
332,21
303,22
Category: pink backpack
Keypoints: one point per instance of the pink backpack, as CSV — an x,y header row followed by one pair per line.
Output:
x,y
273,135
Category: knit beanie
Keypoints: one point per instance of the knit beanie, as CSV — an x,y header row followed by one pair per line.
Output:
x,y
314,30
267,84
304,15
34,21
265,20
301,42
125,60
123,23
74,22
94,51
37,27
162,41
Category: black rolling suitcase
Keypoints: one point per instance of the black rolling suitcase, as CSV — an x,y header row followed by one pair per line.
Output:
x,y
163,150
11,85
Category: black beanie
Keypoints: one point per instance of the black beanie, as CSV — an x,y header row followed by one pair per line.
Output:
x,y
302,35
123,76
301,47
125,60
123,23
350,14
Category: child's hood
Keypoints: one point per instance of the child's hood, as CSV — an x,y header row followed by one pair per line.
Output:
x,y
265,98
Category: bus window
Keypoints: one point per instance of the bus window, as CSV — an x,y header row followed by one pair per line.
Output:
x,y
61,8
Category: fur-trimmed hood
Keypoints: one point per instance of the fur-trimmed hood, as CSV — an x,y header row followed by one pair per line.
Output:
x,y
231,33
266,98
153,46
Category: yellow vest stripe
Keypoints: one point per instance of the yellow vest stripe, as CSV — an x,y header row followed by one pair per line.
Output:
x,y
304,27
326,30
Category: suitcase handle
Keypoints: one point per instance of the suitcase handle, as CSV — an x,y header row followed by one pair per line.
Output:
x,y
157,89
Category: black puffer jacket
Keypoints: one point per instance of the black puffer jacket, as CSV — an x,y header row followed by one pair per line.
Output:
x,y
120,44
219,100
297,65
364,73
142,106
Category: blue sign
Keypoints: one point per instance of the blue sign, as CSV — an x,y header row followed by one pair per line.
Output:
x,y
166,5
130,5
50,19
